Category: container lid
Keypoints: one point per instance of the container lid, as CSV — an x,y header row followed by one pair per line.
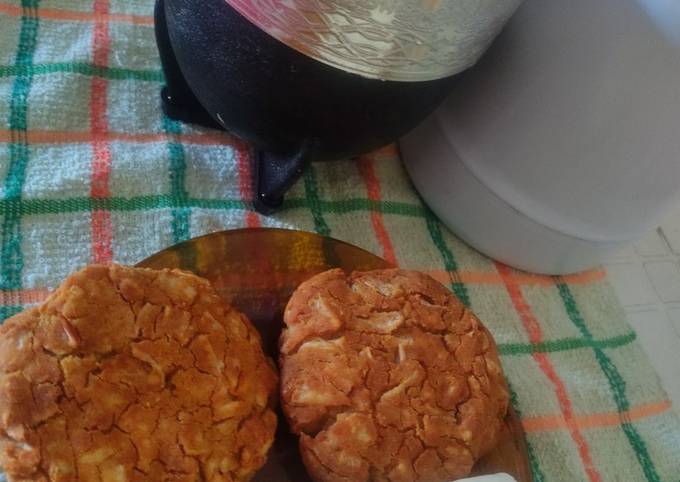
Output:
x,y
401,40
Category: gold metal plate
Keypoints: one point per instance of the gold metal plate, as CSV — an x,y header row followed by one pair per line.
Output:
x,y
257,270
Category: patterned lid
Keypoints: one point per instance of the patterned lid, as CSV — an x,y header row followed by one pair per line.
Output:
x,y
404,40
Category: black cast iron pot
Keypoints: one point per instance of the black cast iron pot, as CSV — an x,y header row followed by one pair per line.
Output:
x,y
224,72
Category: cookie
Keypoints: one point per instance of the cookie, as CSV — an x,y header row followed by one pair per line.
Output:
x,y
386,376
134,375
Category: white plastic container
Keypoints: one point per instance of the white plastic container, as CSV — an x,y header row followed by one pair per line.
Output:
x,y
563,143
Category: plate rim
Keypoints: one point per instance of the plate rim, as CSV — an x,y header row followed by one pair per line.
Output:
x,y
235,231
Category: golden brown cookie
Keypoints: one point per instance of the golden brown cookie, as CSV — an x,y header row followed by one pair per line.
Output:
x,y
133,375
386,376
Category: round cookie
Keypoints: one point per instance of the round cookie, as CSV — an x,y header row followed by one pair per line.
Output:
x,y
134,375
386,376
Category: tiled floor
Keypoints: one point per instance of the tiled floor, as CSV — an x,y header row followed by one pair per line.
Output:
x,y
646,277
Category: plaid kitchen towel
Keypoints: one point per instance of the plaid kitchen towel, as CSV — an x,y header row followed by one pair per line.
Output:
x,y
91,171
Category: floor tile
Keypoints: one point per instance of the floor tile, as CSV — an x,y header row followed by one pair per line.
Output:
x,y
631,283
665,278
660,341
654,244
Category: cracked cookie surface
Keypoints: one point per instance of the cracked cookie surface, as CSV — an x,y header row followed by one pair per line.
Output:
x,y
386,376
127,374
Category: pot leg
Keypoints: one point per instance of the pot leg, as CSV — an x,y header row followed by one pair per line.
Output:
x,y
178,101
276,173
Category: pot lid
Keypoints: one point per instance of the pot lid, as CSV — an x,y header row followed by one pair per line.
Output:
x,y
401,40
